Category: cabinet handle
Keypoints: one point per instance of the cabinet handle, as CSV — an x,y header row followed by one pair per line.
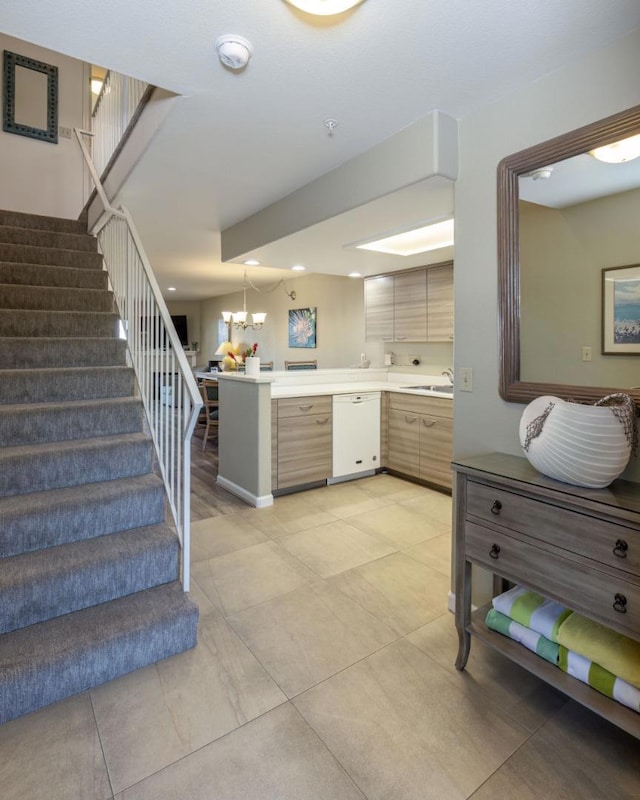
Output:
x,y
410,420
620,604
620,549
400,338
495,551
496,507
322,421
306,408
428,423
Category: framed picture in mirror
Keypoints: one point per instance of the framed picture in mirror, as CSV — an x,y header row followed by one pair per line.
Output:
x,y
621,310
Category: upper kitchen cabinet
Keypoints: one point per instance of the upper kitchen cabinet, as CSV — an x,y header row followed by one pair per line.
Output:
x,y
412,306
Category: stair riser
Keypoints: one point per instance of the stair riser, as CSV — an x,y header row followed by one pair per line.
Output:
x,y
24,353
23,425
23,472
96,649
44,255
55,298
66,241
53,386
43,275
50,522
20,219
14,322
83,574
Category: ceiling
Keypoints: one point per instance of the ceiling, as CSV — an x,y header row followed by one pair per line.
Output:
x,y
237,142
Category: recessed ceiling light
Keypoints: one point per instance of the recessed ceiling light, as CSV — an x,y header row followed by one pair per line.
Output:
x,y
171,288
417,240
298,268
355,275
618,152
251,263
324,8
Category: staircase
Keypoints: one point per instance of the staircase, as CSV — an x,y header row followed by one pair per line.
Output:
x,y
89,584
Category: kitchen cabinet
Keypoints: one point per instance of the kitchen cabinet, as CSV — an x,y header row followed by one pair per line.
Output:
x,y
412,306
303,441
420,437
579,547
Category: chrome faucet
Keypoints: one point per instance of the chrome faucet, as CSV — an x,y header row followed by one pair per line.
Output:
x,y
449,374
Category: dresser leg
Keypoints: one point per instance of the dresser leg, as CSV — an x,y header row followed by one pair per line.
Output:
x,y
464,646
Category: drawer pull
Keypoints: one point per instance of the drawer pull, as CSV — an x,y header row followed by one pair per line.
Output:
x,y
495,552
428,423
322,421
410,420
306,408
620,604
496,507
620,549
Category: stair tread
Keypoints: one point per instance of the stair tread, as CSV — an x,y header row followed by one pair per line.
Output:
x,y
41,222
77,405
95,442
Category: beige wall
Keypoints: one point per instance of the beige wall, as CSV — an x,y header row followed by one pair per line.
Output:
x,y
40,177
603,84
562,254
192,310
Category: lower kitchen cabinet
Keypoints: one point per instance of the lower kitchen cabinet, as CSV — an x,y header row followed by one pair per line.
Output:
x,y
303,441
420,442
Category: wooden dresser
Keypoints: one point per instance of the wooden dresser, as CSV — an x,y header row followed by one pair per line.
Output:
x,y
580,547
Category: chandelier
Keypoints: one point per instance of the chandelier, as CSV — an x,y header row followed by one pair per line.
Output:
x,y
239,318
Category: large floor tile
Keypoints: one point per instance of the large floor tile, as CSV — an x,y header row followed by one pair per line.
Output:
x,y
216,536
402,730
308,635
520,694
275,757
435,505
435,553
391,488
399,525
289,514
154,716
345,499
335,547
574,756
254,575
53,754
398,590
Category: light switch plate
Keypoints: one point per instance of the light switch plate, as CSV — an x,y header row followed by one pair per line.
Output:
x,y
465,382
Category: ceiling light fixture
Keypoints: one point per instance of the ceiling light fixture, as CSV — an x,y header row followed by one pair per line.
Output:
x,y
251,263
234,51
171,288
618,152
355,275
298,268
324,8
417,240
239,318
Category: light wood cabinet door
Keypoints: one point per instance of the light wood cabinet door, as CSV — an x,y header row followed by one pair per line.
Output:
x,y
305,453
378,299
404,449
436,448
410,306
440,304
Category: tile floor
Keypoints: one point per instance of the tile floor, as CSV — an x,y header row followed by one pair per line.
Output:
x,y
324,671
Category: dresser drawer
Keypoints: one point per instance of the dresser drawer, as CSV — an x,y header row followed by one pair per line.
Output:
x,y
617,546
581,587
304,406
421,404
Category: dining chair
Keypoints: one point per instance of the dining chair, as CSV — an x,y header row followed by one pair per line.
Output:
x,y
309,364
210,419
266,366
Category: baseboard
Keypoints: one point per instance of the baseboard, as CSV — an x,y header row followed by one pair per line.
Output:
x,y
262,501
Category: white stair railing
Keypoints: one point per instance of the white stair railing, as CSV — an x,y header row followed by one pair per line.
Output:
x,y
167,387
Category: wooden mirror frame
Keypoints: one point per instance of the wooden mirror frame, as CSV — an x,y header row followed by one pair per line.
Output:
x,y
611,129
9,123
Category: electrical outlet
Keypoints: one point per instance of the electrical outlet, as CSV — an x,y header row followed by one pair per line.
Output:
x,y
586,354
465,382
64,133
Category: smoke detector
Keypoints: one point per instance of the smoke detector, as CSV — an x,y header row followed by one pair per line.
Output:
x,y
234,51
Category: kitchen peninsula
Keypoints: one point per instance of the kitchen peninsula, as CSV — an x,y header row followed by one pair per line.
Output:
x,y
278,433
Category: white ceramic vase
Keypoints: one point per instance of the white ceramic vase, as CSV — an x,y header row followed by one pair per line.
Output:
x,y
252,366
577,444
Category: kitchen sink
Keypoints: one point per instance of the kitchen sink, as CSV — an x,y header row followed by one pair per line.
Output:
x,y
433,388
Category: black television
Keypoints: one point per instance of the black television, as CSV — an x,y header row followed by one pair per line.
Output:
x,y
180,324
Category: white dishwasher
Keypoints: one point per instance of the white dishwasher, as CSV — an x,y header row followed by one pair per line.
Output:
x,y
356,434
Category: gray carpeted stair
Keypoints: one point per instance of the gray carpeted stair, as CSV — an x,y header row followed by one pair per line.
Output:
x,y
88,564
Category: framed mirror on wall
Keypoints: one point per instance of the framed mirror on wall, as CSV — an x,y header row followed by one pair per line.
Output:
x,y
564,217
30,91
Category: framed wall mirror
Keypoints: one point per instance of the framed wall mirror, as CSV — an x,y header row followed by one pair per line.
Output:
x,y
30,98
565,221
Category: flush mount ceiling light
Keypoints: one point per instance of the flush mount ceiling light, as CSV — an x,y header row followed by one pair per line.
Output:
x,y
618,152
252,263
417,240
234,51
324,8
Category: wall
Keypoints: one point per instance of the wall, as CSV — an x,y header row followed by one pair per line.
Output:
x,y
601,85
340,322
39,177
562,254
192,310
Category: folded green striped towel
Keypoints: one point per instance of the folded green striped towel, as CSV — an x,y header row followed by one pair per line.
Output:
x,y
614,652
532,610
532,640
599,678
